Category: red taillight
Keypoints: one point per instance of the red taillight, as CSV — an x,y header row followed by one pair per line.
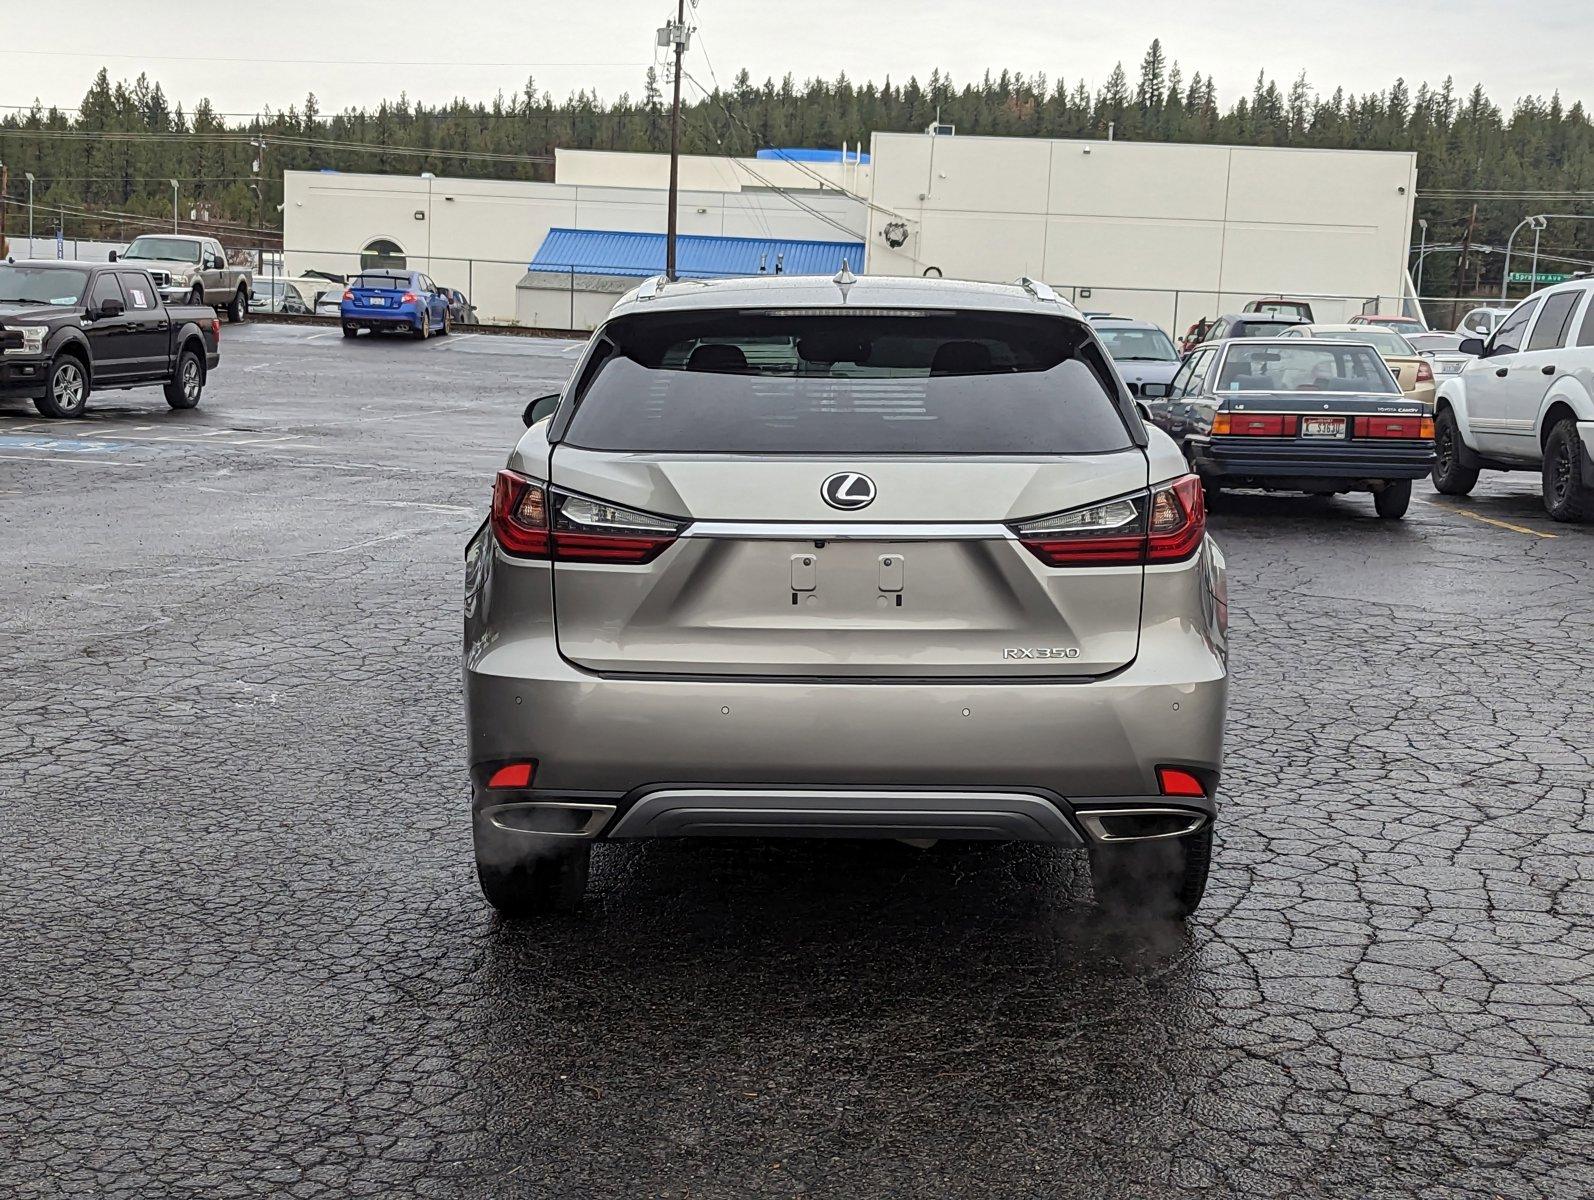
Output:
x,y
1424,372
1255,424
580,530
1165,524
407,298
1410,428
520,515
1178,520
1174,782
512,775
348,295
215,328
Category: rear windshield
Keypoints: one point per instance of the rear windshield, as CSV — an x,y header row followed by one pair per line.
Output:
x,y
880,382
1305,367
1136,343
390,283
1380,338
1260,328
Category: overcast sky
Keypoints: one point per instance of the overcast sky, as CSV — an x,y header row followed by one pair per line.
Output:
x,y
248,55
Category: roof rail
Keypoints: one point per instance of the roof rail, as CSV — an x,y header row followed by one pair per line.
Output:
x,y
1038,289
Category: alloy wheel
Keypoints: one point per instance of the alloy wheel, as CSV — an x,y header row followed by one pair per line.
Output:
x,y
67,387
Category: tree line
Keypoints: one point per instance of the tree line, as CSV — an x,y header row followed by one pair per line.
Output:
x,y
106,168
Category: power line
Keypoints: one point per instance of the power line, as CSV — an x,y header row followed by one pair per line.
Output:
x,y
314,62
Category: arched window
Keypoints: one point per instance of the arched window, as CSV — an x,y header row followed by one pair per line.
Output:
x,y
380,254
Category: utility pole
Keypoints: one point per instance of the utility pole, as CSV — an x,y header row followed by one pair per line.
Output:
x,y
258,168
5,183
1466,260
674,35
174,205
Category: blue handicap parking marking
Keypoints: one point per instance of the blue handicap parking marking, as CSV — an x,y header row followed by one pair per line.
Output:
x,y
58,445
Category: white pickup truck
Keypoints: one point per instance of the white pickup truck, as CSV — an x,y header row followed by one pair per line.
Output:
x,y
1526,403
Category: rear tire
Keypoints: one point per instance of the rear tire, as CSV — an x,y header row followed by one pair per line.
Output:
x,y
1393,499
1449,477
67,390
187,381
1161,879
1565,497
525,876
424,329
238,307
350,331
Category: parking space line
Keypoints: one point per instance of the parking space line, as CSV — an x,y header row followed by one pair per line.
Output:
x,y
1491,521
60,458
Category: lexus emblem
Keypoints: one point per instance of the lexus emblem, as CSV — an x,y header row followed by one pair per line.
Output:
x,y
847,489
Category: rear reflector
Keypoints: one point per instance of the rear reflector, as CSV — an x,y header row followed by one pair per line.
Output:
x,y
511,775
1162,524
1174,782
1410,428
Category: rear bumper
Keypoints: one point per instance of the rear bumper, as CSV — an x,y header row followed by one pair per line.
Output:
x,y
856,758
1287,458
718,811
24,377
367,318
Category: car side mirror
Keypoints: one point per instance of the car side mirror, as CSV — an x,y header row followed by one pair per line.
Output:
x,y
1145,413
112,308
540,408
113,256
1473,346
1155,391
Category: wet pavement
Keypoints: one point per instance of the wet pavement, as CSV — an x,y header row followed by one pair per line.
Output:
x,y
242,952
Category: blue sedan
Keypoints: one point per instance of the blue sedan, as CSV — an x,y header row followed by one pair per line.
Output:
x,y
404,301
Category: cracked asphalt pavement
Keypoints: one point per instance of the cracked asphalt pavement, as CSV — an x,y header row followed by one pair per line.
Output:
x,y
242,952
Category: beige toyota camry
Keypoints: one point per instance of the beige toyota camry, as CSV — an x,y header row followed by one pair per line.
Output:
x,y
845,558
1411,370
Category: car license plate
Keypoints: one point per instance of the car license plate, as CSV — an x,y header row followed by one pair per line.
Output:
x,y
378,301
1323,427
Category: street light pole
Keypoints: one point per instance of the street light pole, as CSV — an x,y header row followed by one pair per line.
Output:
x,y
1422,253
1533,267
29,175
1537,221
174,205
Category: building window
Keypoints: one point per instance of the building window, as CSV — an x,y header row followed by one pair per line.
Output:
x,y
382,254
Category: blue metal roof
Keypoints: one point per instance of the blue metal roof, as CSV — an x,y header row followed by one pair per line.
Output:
x,y
810,154
639,255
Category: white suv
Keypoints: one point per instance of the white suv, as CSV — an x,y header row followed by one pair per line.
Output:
x,y
1526,403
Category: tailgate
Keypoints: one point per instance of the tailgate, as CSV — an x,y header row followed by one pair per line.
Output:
x,y
766,579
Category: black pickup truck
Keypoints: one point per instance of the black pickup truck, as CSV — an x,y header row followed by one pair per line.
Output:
x,y
67,328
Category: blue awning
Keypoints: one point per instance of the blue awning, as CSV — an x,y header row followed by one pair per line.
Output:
x,y
640,255
809,154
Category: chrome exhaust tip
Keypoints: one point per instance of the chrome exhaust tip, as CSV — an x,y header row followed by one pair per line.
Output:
x,y
550,818
1140,824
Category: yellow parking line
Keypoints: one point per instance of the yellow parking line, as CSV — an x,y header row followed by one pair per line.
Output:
x,y
1490,520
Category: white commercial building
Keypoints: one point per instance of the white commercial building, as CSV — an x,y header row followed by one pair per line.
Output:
x,y
1168,232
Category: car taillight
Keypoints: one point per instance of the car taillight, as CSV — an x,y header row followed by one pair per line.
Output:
x,y
407,298
1254,424
580,530
520,515
1424,372
1162,524
348,295
1410,428
215,329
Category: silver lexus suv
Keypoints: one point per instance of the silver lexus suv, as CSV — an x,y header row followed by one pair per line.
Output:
x,y
845,558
